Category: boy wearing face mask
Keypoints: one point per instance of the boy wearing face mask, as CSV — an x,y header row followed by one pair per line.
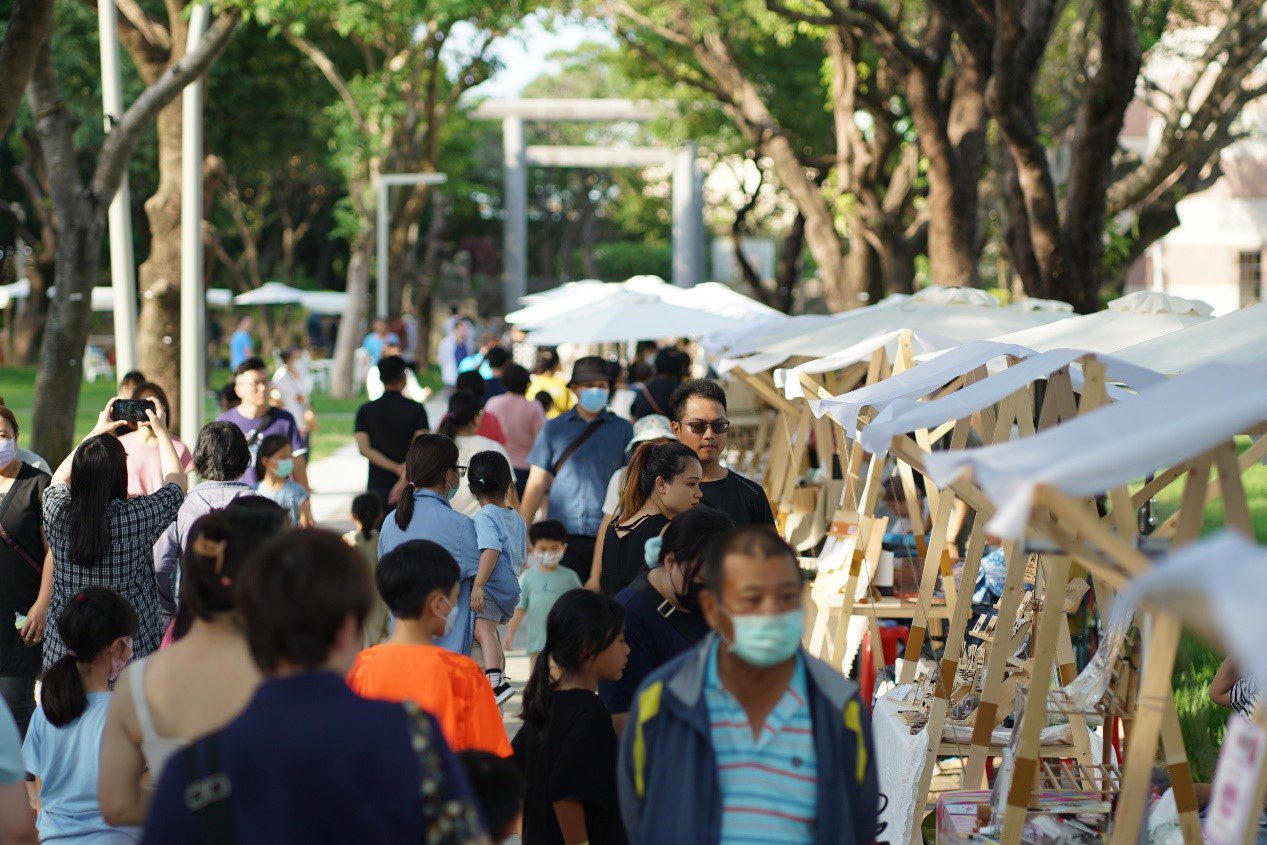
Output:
x,y
573,459
540,586
418,581
745,736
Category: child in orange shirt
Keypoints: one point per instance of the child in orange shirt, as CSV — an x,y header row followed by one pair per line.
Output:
x,y
419,582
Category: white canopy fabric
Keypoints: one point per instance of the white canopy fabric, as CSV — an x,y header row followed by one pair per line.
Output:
x,y
922,341
748,340
1031,303
271,293
20,289
566,289
632,320
963,314
1217,588
719,343
325,301
917,381
1134,318
906,414
570,300
1236,338
1162,426
720,299
219,297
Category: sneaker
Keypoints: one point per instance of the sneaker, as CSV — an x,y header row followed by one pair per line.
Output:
x,y
503,692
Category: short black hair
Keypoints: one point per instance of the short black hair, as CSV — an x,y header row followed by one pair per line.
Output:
x,y
409,573
756,540
250,365
497,357
515,379
488,474
705,388
471,381
133,377
221,453
229,396
499,786
672,362
547,529
392,369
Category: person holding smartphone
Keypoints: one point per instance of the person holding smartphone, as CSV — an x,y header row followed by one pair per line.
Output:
x,y
145,465
99,536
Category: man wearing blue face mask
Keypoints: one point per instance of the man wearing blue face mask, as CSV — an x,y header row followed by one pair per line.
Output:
x,y
572,460
746,738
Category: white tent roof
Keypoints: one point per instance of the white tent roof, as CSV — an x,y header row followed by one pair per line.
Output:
x,y
565,289
270,293
962,314
1031,303
565,302
326,301
1235,338
1132,319
906,414
635,319
923,342
1162,426
746,339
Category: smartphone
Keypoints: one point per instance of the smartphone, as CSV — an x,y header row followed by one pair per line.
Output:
x,y
131,410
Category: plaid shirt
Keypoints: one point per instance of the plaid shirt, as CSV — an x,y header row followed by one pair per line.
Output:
x,y
125,565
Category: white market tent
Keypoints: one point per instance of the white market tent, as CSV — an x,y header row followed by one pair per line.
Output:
x,y
1236,338
1162,426
271,293
325,301
745,339
961,314
566,289
627,320
1132,319
1031,303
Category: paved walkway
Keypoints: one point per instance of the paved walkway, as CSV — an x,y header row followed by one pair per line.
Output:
x,y
335,481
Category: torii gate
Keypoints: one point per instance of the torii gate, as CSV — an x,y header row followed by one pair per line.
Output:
x,y
688,194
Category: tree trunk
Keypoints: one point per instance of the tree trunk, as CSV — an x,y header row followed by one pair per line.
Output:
x,y
158,324
27,30
788,275
28,326
352,325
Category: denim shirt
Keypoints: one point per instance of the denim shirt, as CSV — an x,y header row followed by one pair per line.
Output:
x,y
435,520
576,496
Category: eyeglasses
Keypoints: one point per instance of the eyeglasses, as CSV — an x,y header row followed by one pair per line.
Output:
x,y
698,427
461,470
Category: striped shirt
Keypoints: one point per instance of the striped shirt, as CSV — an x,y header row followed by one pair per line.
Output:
x,y
769,784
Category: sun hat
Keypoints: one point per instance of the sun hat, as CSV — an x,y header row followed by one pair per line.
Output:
x,y
590,368
650,427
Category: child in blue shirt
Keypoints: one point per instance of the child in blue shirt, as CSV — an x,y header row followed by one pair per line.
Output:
x,y
274,462
503,543
63,743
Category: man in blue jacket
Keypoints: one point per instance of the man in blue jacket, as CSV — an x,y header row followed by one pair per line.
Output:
x,y
746,738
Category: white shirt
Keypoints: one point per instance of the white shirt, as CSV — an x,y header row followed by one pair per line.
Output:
x,y
470,445
413,390
295,394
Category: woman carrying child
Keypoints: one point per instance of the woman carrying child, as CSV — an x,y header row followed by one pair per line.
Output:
x,y
63,743
503,540
567,746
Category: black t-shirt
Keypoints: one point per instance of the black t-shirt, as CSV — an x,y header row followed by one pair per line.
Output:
x,y
390,421
22,515
576,760
653,640
624,556
660,389
739,498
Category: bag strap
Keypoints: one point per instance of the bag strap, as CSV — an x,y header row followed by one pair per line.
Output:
x,y
655,406
668,611
208,791
11,541
576,444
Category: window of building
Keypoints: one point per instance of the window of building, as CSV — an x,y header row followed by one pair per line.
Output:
x,y
1251,277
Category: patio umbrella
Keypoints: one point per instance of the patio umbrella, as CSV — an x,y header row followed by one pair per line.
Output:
x,y
1132,319
271,293
626,320
325,301
1236,338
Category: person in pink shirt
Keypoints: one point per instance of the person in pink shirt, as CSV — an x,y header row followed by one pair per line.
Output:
x,y
145,472
520,417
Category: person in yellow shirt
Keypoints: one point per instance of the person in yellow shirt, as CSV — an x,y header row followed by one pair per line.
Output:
x,y
546,379
419,582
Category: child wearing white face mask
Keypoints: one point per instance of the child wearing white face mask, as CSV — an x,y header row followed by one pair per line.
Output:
x,y
418,580
542,583
63,743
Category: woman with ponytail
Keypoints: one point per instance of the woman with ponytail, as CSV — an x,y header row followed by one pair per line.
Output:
x,y
63,744
461,424
433,475
567,746
200,682
661,482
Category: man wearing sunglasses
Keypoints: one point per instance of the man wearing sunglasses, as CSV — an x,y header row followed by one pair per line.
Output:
x,y
699,420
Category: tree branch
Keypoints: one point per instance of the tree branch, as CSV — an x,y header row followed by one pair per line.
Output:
x,y
621,8
121,142
328,69
27,31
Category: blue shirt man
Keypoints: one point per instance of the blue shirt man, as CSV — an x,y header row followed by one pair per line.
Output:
x,y
241,346
573,471
379,339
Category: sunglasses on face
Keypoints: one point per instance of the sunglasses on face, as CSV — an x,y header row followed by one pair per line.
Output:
x,y
460,470
698,427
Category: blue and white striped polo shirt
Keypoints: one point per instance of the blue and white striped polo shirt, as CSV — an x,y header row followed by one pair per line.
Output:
x,y
769,784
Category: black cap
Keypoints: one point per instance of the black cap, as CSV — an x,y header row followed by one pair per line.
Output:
x,y
590,368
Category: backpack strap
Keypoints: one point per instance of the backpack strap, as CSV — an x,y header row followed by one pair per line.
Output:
x,y
668,611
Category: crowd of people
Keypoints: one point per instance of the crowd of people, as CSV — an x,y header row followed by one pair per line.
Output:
x,y
215,668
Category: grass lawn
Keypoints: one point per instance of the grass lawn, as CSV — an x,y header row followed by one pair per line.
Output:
x,y
335,416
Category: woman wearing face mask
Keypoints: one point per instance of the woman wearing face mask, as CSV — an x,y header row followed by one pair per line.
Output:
x,y
662,481
274,462
433,475
662,612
